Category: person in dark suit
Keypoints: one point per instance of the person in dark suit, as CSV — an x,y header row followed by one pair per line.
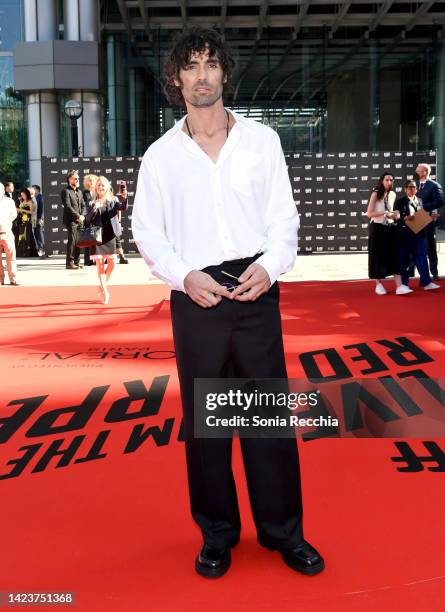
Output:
x,y
412,246
73,214
431,194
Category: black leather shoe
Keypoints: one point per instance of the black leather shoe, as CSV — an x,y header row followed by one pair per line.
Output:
x,y
122,260
14,284
79,265
305,559
212,563
72,267
436,277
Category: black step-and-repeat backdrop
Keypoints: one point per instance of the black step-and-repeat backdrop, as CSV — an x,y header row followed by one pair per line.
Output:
x,y
331,191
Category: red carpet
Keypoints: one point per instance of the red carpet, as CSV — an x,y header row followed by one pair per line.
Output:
x,y
109,520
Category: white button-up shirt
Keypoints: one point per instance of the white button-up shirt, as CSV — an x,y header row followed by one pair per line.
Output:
x,y
8,213
190,212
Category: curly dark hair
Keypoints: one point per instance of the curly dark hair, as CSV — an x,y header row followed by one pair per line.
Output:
x,y
379,188
195,40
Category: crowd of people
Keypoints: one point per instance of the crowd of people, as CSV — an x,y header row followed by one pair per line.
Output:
x,y
402,231
22,225
99,206
395,247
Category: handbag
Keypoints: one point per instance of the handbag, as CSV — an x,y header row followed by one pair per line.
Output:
x,y
89,236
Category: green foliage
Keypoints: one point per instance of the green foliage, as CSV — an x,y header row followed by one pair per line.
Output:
x,y
12,146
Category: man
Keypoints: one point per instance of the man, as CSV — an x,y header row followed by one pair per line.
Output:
x,y
38,230
431,194
8,213
9,191
214,195
73,214
412,247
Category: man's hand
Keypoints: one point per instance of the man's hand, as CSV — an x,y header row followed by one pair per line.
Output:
x,y
204,290
435,216
254,281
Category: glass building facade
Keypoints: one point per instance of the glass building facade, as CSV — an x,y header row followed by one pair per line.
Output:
x,y
328,75
13,157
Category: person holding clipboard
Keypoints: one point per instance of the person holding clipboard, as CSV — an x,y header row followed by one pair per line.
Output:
x,y
411,236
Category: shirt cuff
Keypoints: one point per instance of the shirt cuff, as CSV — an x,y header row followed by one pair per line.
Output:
x,y
181,271
271,265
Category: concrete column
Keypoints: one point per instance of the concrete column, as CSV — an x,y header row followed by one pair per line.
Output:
x,y
42,108
81,22
89,20
71,20
47,20
30,19
43,131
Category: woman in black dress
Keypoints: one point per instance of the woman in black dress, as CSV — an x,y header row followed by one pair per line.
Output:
x,y
25,242
383,259
104,212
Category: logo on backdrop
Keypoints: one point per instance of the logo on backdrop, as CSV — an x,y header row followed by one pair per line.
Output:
x,y
331,172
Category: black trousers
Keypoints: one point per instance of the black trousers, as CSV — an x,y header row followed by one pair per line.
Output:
x,y
430,232
72,251
240,340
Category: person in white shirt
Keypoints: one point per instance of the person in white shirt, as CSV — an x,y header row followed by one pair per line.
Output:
x,y
383,259
214,198
8,213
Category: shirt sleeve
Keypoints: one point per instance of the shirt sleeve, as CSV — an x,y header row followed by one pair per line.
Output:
x,y
148,226
12,211
282,220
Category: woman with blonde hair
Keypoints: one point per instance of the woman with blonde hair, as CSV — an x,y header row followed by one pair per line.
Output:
x,y
104,213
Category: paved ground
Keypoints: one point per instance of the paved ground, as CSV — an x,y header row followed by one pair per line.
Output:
x,y
51,272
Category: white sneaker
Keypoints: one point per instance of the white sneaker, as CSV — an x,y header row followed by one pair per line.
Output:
x,y
403,290
380,289
431,286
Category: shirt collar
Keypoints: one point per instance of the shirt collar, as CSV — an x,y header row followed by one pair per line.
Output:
x,y
234,137
238,118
